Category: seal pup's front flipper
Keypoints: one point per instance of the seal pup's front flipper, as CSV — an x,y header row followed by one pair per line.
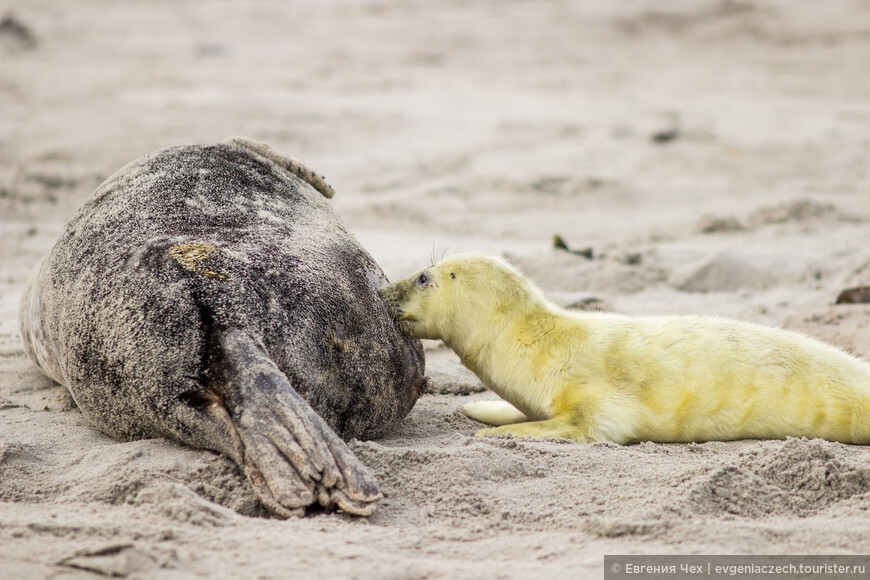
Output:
x,y
289,454
494,413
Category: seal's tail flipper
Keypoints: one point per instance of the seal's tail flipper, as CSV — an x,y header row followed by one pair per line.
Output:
x,y
289,454
294,166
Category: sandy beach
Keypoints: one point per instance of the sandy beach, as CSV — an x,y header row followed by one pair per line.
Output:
x,y
695,158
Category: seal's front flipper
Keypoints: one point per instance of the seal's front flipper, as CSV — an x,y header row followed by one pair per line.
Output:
x,y
494,412
294,166
290,455
557,428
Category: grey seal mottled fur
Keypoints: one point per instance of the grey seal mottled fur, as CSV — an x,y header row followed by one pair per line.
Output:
x,y
210,295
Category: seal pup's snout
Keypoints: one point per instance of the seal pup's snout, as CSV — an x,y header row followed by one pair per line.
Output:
x,y
388,295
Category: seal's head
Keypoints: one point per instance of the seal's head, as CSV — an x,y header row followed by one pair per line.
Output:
x,y
458,295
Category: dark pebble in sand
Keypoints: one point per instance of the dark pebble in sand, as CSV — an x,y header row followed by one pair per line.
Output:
x,y
857,295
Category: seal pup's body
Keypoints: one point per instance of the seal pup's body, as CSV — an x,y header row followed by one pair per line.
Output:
x,y
210,295
605,377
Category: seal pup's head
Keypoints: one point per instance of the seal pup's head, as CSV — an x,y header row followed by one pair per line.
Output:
x,y
458,296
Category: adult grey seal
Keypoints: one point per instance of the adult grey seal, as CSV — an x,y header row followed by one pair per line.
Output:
x,y
209,294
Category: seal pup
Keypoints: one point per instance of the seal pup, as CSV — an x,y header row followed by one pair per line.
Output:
x,y
210,295
591,376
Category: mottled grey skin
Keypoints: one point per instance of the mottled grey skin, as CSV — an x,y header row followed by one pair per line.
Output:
x,y
209,295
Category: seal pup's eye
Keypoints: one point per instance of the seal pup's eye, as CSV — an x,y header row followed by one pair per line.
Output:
x,y
423,279
452,275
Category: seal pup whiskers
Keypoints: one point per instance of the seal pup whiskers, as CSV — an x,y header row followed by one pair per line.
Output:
x,y
591,376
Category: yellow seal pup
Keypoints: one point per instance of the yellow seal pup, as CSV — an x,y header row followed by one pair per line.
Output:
x,y
592,376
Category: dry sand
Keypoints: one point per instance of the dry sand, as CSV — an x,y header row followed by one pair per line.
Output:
x,y
452,126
